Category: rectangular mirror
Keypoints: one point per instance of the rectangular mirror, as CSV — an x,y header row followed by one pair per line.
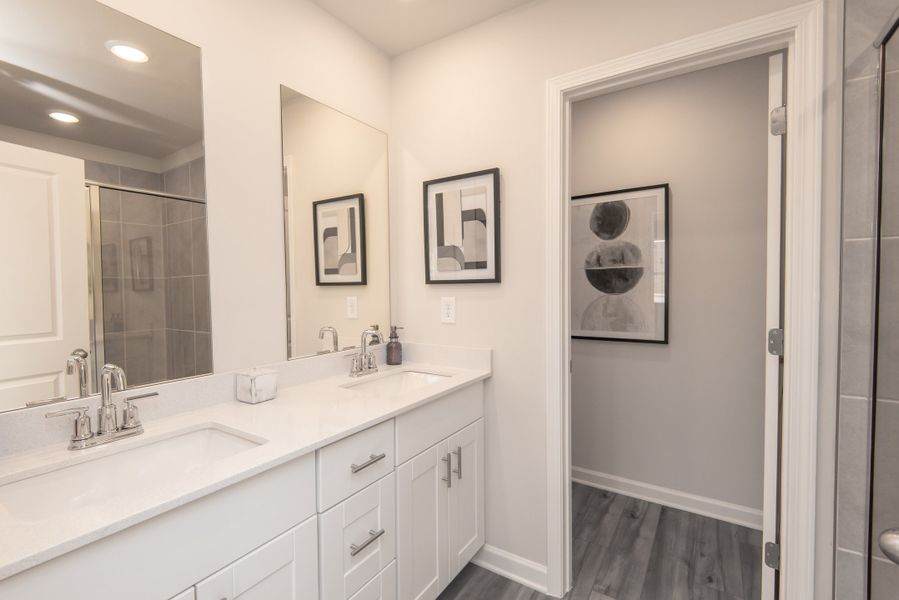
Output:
x,y
336,226
103,251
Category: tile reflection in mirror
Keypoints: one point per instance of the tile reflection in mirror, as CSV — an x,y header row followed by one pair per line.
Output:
x,y
333,160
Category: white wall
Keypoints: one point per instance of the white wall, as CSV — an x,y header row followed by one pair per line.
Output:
x,y
688,415
476,100
249,48
330,155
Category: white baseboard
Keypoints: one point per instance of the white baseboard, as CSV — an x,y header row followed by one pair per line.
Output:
x,y
709,507
511,566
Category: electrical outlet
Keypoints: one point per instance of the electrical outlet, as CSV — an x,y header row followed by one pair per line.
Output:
x,y
448,309
352,307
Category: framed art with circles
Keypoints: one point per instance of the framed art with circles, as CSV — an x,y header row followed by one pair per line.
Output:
x,y
619,265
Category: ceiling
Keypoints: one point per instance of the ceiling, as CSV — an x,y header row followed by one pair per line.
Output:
x,y
53,57
396,26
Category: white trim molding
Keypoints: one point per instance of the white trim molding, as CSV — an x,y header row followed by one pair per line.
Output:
x,y
700,505
511,566
798,30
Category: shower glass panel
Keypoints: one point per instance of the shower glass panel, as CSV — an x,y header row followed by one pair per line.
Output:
x,y
884,513
152,314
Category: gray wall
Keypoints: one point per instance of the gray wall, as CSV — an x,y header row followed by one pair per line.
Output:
x,y
863,21
689,415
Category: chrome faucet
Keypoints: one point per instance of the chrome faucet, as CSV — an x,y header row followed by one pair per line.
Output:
x,y
366,363
107,414
333,332
77,365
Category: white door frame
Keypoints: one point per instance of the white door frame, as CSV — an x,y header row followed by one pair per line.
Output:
x,y
800,31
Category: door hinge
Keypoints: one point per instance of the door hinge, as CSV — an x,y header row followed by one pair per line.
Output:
x,y
284,181
779,120
776,342
772,555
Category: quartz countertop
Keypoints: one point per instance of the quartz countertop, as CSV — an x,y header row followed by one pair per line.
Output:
x,y
300,420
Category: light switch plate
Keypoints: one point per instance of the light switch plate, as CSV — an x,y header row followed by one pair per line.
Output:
x,y
352,307
448,309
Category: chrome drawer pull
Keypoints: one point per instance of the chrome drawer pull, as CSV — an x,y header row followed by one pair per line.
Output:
x,y
372,536
372,459
458,469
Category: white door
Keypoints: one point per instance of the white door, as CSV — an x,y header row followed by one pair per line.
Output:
x,y
422,547
43,272
773,321
466,496
285,568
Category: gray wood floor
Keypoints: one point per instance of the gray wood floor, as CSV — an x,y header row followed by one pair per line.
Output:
x,y
629,549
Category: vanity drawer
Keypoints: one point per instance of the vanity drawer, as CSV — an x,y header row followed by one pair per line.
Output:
x,y
358,540
419,429
347,466
382,587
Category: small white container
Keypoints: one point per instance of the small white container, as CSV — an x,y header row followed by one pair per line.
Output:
x,y
257,385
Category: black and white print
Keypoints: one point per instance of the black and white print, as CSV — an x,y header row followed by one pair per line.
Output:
x,y
462,239
339,227
619,264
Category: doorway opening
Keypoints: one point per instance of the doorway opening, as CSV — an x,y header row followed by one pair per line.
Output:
x,y
675,254
798,32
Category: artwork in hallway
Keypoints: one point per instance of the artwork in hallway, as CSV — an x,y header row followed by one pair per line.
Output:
x,y
619,265
339,228
462,235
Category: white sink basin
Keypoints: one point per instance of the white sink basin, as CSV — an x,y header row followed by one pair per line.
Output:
x,y
396,383
74,487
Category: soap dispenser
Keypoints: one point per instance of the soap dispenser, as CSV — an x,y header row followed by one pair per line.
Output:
x,y
394,347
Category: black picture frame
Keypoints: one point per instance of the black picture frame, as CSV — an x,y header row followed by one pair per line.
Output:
x,y
430,278
363,273
666,203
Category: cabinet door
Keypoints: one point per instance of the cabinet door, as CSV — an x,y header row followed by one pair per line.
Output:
x,y
422,550
284,568
358,539
382,587
466,496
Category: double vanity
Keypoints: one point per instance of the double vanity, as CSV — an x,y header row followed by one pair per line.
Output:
x,y
340,488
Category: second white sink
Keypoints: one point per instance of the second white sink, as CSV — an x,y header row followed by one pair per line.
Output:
x,y
396,383
74,487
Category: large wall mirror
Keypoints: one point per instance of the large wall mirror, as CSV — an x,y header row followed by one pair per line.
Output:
x,y
103,255
336,226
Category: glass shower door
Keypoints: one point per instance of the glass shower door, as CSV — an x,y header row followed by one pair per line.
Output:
x,y
883,560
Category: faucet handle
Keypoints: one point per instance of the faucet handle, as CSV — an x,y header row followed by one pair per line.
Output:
x,y
356,363
83,429
130,414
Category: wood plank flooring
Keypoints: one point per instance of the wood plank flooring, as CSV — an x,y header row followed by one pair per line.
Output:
x,y
629,549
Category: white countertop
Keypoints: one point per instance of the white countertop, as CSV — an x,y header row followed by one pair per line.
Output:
x,y
300,420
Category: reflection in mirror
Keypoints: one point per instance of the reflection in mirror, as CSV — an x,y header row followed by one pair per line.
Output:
x,y
336,226
103,252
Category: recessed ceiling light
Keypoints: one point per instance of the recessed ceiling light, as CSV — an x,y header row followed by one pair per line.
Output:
x,y
64,117
127,52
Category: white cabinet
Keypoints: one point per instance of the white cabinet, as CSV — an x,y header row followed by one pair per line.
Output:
x,y
347,466
440,513
382,587
186,595
358,539
285,568
466,496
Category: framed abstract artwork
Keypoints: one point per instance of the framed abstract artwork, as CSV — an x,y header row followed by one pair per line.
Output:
x,y
462,228
339,228
619,265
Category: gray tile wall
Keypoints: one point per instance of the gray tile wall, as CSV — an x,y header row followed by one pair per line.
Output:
x,y
863,21
163,332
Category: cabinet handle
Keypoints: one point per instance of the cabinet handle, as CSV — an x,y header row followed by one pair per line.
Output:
x,y
458,469
449,468
372,536
372,459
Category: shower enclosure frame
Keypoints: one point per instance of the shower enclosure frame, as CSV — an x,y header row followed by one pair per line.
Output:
x,y
95,268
